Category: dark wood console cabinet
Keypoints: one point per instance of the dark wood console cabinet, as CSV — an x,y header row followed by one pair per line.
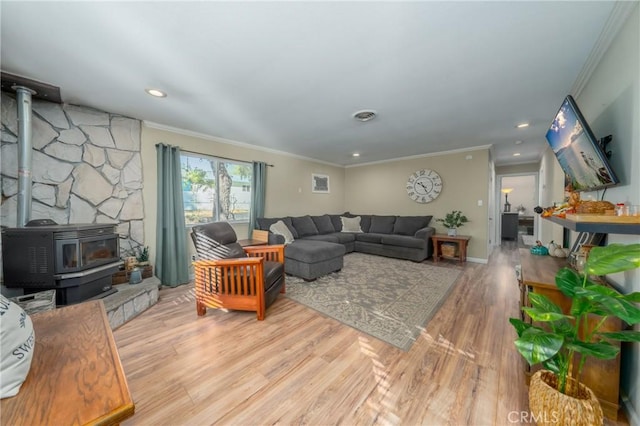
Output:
x,y
509,226
602,376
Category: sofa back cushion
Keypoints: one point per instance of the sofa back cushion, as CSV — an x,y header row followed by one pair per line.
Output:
x,y
323,224
336,222
304,226
382,224
409,225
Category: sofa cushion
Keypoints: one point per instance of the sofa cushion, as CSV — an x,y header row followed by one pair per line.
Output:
x,y
344,237
370,237
326,237
308,251
382,224
265,223
304,225
279,228
409,225
336,221
351,224
404,241
323,224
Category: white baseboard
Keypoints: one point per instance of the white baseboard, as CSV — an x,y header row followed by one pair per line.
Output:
x,y
632,414
477,260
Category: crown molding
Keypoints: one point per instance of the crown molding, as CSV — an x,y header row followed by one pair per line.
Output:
x,y
617,18
413,157
204,136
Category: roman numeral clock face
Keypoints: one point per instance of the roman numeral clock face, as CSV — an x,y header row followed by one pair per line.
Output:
x,y
424,186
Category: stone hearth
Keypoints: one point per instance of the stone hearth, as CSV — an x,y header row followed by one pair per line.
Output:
x,y
130,301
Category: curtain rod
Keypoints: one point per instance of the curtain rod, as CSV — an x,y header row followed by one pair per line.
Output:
x,y
217,156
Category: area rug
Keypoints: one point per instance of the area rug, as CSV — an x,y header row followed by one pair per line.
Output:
x,y
389,299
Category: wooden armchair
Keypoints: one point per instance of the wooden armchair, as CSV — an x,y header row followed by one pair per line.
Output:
x,y
232,277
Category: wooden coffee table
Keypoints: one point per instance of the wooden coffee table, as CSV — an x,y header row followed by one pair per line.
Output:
x,y
76,376
461,240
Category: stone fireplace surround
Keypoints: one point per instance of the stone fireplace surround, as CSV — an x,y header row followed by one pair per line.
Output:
x,y
86,168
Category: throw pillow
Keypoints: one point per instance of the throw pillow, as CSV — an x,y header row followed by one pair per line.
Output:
x,y
279,228
17,341
351,224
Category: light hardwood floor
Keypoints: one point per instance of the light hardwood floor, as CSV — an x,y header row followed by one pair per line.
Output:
x,y
299,367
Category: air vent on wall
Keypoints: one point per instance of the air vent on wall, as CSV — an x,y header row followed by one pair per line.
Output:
x,y
365,115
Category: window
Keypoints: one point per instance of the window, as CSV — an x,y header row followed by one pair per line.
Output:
x,y
214,189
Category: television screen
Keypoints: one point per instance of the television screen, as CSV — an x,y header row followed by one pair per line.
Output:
x,y
578,151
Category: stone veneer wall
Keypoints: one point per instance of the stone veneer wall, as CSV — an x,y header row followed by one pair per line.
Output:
x,y
86,168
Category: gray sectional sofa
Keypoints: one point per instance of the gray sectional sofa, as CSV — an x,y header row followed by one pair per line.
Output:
x,y
320,244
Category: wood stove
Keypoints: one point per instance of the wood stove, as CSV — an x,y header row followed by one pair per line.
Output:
x,y
76,260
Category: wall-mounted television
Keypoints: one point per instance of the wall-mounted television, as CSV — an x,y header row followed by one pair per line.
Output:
x,y
578,151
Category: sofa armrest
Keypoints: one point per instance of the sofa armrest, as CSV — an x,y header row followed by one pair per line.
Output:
x,y
425,233
275,240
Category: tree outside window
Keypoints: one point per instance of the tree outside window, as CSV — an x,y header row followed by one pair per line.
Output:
x,y
215,189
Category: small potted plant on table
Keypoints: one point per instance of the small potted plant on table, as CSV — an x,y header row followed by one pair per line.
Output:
x,y
561,341
453,221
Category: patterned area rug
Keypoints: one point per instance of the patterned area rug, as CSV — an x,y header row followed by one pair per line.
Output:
x,y
389,299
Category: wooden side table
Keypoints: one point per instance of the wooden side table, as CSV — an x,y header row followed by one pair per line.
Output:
x,y
76,376
251,242
460,240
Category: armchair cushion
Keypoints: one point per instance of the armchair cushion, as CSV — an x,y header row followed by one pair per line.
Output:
x,y
235,251
273,271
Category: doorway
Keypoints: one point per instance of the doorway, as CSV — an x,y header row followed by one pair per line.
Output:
x,y
517,195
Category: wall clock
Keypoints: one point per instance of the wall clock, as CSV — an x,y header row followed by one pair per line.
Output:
x,y
424,186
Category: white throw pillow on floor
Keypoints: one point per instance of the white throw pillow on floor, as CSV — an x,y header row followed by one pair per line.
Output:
x,y
17,342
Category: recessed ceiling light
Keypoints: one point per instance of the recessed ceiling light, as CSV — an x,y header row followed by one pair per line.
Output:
x,y
356,154
517,154
364,115
518,142
155,92
522,125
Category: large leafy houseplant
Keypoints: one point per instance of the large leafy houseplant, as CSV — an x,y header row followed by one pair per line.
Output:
x,y
453,220
562,337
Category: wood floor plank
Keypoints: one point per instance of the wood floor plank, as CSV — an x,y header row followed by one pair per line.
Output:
x,y
301,367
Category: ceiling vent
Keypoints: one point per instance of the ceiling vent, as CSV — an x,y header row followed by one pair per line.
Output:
x,y
366,115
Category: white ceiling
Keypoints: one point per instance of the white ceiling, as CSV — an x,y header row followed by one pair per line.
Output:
x,y
288,76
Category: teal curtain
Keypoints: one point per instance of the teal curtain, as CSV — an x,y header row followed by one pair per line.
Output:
x,y
172,256
259,189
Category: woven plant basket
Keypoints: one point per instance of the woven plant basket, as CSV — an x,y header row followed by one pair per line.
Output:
x,y
550,407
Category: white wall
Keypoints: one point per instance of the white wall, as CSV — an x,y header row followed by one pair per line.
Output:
x,y
522,194
381,189
610,102
550,189
288,182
